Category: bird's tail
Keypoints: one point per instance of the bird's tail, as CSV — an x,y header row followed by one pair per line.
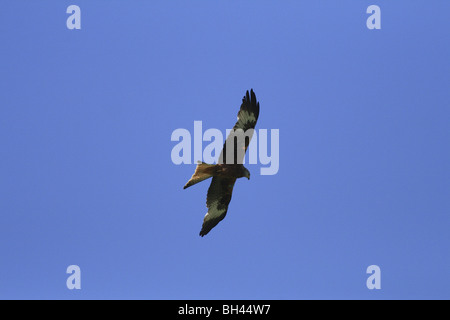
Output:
x,y
202,172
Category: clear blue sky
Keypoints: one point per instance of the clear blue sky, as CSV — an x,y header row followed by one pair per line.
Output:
x,y
86,176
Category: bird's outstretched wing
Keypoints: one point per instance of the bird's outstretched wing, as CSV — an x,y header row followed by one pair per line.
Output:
x,y
217,200
239,138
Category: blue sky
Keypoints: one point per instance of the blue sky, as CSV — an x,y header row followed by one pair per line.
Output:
x,y
86,176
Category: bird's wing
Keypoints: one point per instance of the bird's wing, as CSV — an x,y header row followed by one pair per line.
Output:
x,y
217,200
239,138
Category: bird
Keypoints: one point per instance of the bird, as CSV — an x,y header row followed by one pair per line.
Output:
x,y
229,168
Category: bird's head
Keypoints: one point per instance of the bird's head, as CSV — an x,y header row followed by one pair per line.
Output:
x,y
246,173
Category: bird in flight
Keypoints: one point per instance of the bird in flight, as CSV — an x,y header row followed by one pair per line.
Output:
x,y
229,167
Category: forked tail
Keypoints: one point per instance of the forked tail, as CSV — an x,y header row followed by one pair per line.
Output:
x,y
202,172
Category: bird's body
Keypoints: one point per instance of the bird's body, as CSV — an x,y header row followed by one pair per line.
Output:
x,y
225,173
236,170
205,171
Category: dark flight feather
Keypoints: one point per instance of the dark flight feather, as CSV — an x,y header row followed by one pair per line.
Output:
x,y
247,117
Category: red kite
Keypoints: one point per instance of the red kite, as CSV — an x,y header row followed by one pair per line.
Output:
x,y
225,173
